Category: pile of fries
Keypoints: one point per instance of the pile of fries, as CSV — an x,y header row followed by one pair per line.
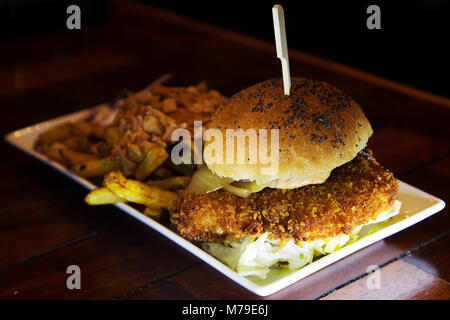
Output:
x,y
117,188
130,151
79,146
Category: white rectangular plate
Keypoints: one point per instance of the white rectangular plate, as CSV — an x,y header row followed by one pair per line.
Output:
x,y
416,206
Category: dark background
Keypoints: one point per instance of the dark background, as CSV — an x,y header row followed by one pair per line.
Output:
x,y
411,47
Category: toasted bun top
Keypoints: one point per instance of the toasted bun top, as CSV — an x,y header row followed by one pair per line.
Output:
x,y
320,128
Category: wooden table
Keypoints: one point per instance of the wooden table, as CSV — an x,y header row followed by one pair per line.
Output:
x,y
45,225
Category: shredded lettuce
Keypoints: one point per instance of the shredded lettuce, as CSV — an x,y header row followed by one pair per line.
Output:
x,y
394,210
257,257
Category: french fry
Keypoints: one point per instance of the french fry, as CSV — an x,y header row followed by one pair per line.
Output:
x,y
102,196
153,213
94,148
94,168
53,151
172,183
112,135
81,128
154,158
138,192
77,143
104,149
97,130
57,133
162,173
72,157
114,177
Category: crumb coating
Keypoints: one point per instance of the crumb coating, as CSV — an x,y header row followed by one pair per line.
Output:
x,y
354,194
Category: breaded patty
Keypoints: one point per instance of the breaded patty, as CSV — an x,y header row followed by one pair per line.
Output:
x,y
353,194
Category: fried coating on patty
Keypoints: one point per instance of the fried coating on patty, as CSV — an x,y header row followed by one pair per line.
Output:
x,y
354,194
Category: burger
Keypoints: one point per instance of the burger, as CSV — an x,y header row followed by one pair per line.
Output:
x,y
325,187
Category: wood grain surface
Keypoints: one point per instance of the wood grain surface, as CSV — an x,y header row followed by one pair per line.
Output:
x,y
45,225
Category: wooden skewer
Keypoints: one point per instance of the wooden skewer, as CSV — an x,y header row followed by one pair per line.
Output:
x,y
281,44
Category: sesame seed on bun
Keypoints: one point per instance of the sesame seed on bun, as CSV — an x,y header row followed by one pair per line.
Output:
x,y
320,128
